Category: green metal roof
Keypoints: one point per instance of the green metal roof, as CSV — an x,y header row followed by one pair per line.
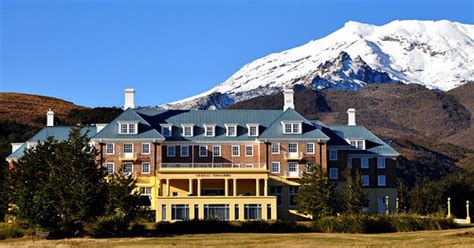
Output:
x,y
373,144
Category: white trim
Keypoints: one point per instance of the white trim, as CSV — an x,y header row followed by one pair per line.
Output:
x,y
279,167
213,126
271,148
184,126
332,158
220,151
123,149
379,164
292,128
167,126
149,167
181,151
314,148
200,154
297,147
113,167
106,149
149,148
232,151
357,141
168,151
227,129
246,151
128,125
125,164
249,126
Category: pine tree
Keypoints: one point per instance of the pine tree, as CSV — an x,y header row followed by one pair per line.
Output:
x,y
123,201
316,195
354,197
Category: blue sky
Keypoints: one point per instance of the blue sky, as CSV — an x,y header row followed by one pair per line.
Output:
x,y
88,51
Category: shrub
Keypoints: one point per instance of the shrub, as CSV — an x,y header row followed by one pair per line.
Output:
x,y
194,226
107,227
8,230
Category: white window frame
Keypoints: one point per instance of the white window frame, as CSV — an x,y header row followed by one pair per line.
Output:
x,y
379,181
365,183
214,150
334,173
248,165
128,152
181,153
362,166
168,127
313,148
248,155
149,148
356,146
107,149
277,145
107,167
228,127
333,152
235,165
249,128
124,165
297,165
232,151
168,154
296,127
128,127
145,191
213,126
278,166
184,126
381,163
297,147
149,168
200,151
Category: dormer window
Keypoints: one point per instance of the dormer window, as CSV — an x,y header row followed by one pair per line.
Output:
x,y
209,130
128,128
166,129
231,130
357,144
252,130
292,127
188,130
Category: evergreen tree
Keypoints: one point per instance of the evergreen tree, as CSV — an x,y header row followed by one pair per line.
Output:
x,y
3,191
354,197
59,185
316,195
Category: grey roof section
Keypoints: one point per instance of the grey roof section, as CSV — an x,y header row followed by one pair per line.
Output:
x,y
18,153
309,131
145,130
217,117
373,144
58,133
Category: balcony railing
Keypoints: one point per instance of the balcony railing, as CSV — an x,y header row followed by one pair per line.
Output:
x,y
293,155
211,165
292,173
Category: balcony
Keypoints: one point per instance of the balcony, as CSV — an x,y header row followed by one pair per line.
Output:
x,y
132,156
211,166
292,174
293,155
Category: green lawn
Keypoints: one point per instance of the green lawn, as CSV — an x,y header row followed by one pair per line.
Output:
x,y
456,237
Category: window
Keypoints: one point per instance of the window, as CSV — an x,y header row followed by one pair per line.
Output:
x,y
275,167
276,191
163,212
333,173
171,151
310,148
128,128
357,144
235,165
180,212
252,211
333,155
184,151
127,148
188,130
202,151
209,130
146,168
248,165
110,168
364,163
292,193
381,180
293,166
127,168
275,148
293,147
166,130
292,127
252,130
249,151
145,190
146,148
381,204
216,211
231,129
236,211
365,180
235,150
110,148
216,151
381,163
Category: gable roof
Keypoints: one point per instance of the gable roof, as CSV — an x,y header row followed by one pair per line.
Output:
x,y
373,144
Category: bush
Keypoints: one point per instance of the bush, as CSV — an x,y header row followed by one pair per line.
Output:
x,y
361,223
8,230
194,226
278,226
107,227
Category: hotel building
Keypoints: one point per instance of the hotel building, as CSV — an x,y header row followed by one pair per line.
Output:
x,y
232,164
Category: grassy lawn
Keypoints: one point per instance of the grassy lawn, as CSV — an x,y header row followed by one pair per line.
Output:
x,y
455,237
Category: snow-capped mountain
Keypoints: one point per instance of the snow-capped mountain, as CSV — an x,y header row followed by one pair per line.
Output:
x,y
436,54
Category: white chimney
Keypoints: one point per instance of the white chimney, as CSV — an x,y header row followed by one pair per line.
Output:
x,y
49,118
129,99
351,117
288,98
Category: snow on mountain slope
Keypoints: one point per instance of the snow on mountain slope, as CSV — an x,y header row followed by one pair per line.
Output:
x,y
436,54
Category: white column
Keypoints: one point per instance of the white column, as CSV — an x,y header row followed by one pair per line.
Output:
x,y
257,187
190,186
199,187
167,188
235,187
265,193
226,187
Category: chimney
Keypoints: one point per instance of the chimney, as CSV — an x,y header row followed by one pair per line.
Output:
x,y
129,99
49,118
351,117
288,98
